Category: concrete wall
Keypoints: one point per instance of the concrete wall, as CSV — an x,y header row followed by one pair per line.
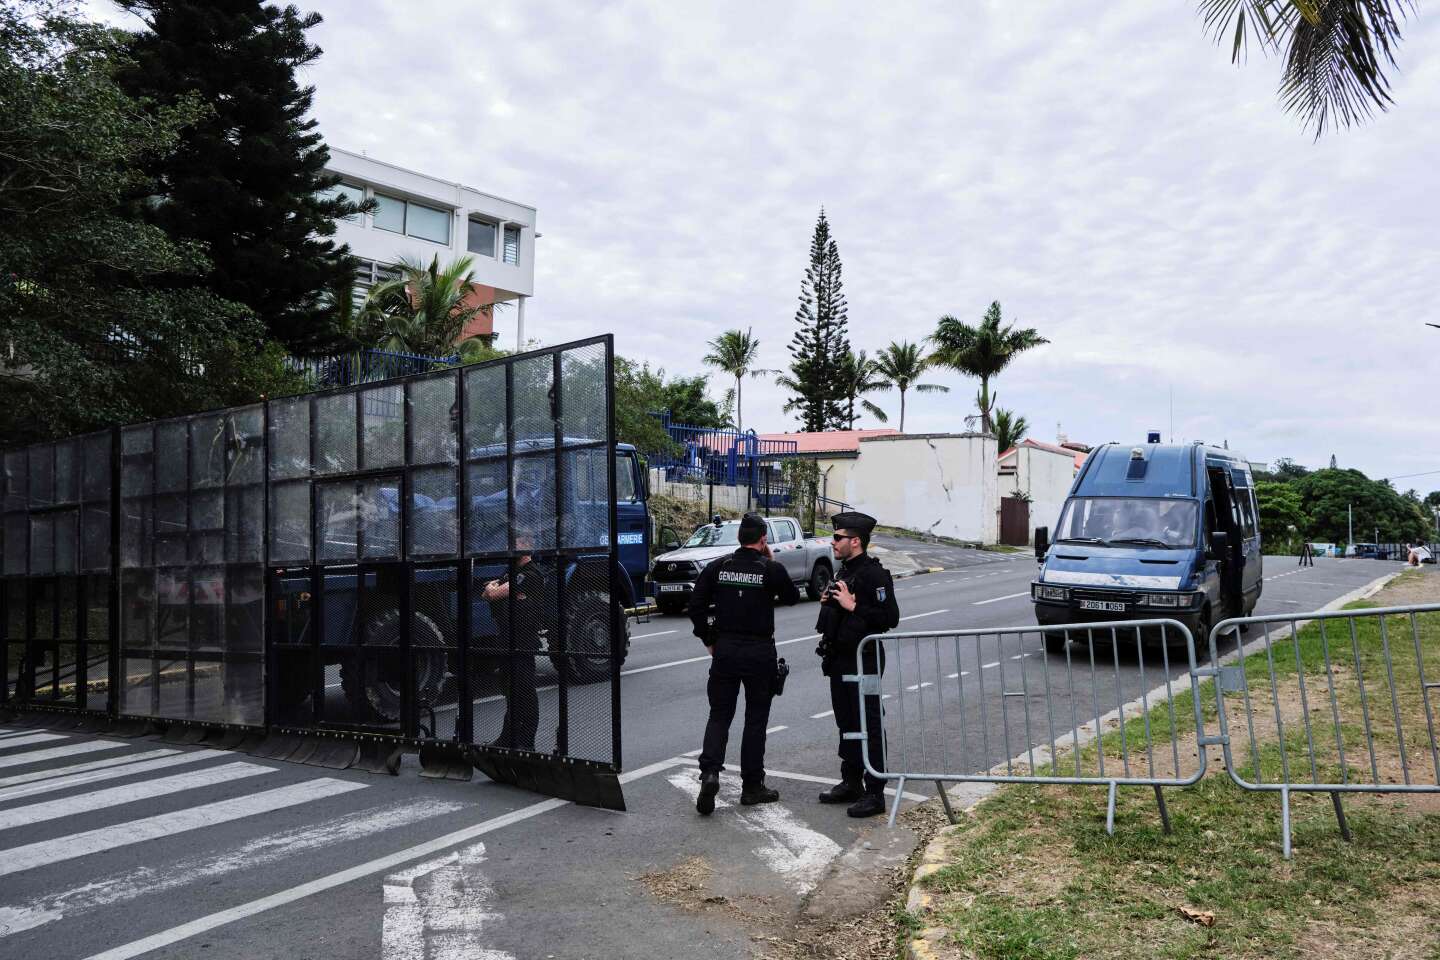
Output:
x,y
1046,478
835,479
734,498
943,484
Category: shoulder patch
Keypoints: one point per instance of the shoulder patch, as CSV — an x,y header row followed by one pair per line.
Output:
x,y
880,594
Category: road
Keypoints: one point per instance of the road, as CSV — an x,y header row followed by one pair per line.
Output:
x,y
119,848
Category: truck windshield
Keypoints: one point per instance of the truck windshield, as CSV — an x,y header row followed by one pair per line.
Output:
x,y
1120,520
713,536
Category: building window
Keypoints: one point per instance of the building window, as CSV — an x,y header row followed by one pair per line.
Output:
x,y
481,239
512,244
368,273
412,219
348,191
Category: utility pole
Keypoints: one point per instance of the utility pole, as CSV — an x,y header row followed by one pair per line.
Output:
x,y
1351,511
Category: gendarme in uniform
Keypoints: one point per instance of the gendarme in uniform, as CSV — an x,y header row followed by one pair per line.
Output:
x,y
740,591
860,602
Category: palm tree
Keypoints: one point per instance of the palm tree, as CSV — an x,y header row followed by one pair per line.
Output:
x,y
734,352
1009,429
859,376
1336,51
981,351
422,311
901,365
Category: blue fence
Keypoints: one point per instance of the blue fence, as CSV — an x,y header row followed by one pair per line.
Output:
x,y
724,456
364,366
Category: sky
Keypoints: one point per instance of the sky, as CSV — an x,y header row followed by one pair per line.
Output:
x,y
1109,177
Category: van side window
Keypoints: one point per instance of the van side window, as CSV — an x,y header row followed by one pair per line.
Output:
x,y
1246,501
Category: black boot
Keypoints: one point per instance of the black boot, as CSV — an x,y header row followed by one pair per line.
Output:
x,y
867,806
709,786
753,793
846,791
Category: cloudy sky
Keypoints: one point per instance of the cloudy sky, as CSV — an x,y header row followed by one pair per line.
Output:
x,y
1109,177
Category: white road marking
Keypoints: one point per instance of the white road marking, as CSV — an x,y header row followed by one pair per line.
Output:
x,y
74,768
987,666
822,716
830,782
956,676
921,686
128,793
7,732
272,848
1008,596
787,846
44,853
26,740
113,769
777,729
54,753
662,633
439,904
185,931
917,616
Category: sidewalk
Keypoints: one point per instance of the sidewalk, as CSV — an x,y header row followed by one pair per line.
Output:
x,y
1030,873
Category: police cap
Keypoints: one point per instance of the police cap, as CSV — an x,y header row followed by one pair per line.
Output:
x,y
752,528
854,521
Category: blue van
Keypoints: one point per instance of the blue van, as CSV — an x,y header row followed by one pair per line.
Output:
x,y
1152,531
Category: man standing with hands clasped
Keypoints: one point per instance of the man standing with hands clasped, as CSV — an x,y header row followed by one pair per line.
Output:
x,y
742,588
860,602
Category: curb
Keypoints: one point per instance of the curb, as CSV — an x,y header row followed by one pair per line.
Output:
x,y
918,903
918,573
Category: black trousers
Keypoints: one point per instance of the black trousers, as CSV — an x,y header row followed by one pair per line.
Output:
x,y
739,663
845,701
522,702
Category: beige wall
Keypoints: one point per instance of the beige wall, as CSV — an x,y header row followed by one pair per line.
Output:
x,y
835,478
1046,478
935,483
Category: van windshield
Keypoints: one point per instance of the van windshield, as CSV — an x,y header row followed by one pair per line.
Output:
x,y
713,536
1129,521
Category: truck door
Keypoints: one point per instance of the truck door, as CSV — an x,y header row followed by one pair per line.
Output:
x,y
1232,564
632,534
786,546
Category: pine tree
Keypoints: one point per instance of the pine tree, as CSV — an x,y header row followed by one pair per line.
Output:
x,y
248,180
821,344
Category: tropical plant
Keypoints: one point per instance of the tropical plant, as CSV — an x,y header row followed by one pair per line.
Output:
x,y
820,342
981,351
858,376
901,364
1009,428
1336,51
424,310
734,352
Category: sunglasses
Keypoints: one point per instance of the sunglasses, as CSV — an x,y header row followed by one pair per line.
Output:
x,y
837,537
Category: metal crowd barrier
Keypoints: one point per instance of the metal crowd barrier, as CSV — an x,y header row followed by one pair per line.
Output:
x,y
957,704
1337,685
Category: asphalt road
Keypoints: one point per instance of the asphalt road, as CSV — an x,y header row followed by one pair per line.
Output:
x,y
104,853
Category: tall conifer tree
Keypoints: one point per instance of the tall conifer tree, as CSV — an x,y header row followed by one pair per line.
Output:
x,y
821,342
248,179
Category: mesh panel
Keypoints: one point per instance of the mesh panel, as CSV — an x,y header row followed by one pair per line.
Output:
x,y
433,420
42,476
534,494
172,608
136,544
95,537
16,484
335,433
244,452
17,526
533,381
65,542
137,457
207,610
97,633
290,522
433,526
488,518
170,528
15,610
95,485
383,409
207,452
584,394
585,479
335,521
379,519
432,644
42,544
43,594
485,412
589,721
207,526
244,520
67,471
170,456
289,438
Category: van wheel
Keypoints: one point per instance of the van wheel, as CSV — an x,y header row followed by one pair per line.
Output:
x,y
819,579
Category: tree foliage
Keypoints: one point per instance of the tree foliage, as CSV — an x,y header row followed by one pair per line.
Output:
x,y
899,365
735,352
424,310
1010,428
857,377
1281,510
100,320
246,177
1326,495
1336,51
821,343
982,351
641,391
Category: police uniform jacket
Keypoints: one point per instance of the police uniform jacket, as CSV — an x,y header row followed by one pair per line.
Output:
x,y
523,615
875,610
743,588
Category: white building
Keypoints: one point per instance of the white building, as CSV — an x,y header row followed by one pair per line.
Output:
x,y
1041,473
940,483
420,217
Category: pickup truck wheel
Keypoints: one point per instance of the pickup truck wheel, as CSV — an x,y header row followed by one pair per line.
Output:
x,y
1055,643
587,637
375,685
670,607
819,578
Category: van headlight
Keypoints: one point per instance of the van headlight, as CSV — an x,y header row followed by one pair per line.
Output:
x,y
1041,591
1172,600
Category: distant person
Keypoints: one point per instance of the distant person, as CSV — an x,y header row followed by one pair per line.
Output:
x,y
740,591
518,604
1307,555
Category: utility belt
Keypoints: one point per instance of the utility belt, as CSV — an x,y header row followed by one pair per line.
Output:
x,y
744,637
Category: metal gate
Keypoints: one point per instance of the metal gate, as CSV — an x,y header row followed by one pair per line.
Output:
x,y
426,563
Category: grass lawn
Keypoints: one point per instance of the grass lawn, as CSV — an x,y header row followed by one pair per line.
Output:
x,y
1032,873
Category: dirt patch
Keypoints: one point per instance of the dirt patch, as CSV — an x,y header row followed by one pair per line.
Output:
x,y
1413,586
1411,930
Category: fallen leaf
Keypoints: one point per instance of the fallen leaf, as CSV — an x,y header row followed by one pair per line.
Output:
x,y
1203,917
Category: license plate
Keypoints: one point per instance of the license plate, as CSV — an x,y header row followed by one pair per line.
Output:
x,y
672,587
1109,606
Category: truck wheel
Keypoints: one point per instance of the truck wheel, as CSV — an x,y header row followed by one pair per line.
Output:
x,y
1056,643
669,608
587,637
377,684
819,579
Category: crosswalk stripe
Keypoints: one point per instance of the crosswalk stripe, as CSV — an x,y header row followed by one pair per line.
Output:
x,y
32,855
24,741
7,732
74,768
54,753
112,773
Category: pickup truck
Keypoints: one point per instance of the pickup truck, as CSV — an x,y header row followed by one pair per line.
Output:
x,y
807,558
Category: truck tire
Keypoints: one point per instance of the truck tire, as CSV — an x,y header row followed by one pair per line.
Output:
x,y
375,684
1055,643
587,637
819,578
669,608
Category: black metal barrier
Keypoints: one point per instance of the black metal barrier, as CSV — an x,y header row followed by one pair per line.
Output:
x,y
425,564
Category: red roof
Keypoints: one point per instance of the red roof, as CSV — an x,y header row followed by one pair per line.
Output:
x,y
829,441
1078,455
